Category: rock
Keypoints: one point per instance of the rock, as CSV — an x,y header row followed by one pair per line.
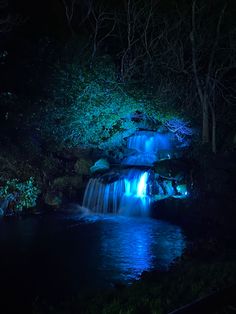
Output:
x,y
82,166
4,204
177,169
129,151
100,165
53,198
74,153
65,182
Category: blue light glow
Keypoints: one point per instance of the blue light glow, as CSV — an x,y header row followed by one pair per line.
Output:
x,y
149,147
131,246
130,191
182,189
142,185
127,195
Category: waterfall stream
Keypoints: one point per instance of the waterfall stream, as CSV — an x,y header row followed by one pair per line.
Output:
x,y
129,191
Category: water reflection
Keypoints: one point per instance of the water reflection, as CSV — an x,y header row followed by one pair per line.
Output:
x,y
132,245
66,254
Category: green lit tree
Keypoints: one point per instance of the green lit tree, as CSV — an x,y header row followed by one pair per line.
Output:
x,y
89,107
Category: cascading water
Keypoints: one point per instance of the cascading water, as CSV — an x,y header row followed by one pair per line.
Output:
x,y
127,195
129,191
149,147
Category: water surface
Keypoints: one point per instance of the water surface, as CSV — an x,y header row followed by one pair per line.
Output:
x,y
54,256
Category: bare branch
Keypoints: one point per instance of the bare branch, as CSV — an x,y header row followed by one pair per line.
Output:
x,y
8,22
194,58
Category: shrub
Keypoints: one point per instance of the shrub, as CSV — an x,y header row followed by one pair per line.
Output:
x,y
26,193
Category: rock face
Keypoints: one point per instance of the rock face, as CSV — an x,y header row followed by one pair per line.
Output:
x,y
82,166
177,169
53,198
65,182
69,186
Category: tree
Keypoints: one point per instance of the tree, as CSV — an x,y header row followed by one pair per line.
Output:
x,y
87,107
210,82
8,21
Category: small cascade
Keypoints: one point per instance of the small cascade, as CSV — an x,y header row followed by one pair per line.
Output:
x,y
130,191
127,196
101,197
149,147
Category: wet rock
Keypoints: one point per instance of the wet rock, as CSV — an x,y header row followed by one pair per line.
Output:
x,y
129,151
100,166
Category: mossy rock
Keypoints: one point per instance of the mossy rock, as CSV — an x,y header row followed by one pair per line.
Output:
x,y
53,198
65,182
82,166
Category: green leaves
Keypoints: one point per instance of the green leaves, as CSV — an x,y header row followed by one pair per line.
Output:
x,y
26,192
89,108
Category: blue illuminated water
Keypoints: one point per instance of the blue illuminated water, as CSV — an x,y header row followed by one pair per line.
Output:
x,y
130,192
149,147
127,195
56,256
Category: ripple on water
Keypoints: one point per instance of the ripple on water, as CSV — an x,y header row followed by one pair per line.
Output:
x,y
81,252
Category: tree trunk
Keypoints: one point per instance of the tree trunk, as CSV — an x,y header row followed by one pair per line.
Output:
x,y
213,135
205,123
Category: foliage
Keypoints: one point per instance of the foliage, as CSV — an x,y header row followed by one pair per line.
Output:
x,y
88,107
26,192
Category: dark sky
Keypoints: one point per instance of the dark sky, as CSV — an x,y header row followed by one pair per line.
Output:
x,y
47,17
44,17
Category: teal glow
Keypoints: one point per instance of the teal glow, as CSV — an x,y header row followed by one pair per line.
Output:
x,y
182,189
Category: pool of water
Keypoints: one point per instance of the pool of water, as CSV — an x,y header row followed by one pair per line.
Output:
x,y
54,256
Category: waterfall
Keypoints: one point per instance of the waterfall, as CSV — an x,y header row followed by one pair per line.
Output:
x,y
129,191
126,196
149,147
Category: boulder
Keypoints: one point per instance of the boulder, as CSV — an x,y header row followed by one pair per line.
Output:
x,y
100,166
65,182
177,169
53,198
82,166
